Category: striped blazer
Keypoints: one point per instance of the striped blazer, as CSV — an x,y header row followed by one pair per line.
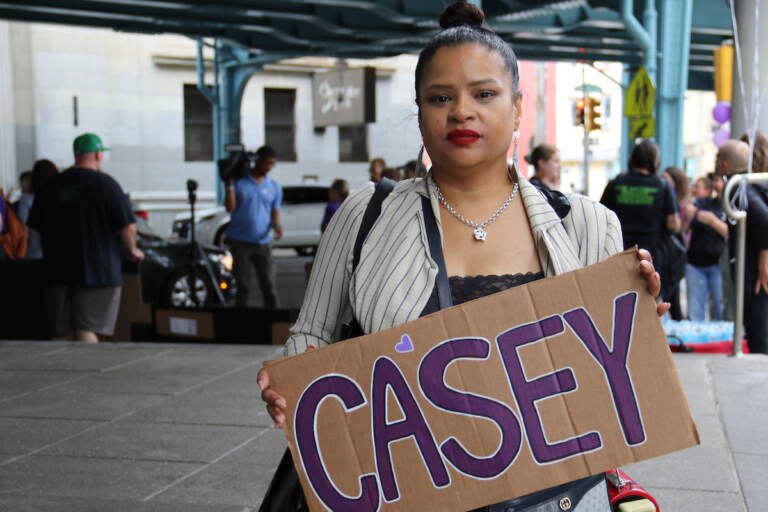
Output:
x,y
396,274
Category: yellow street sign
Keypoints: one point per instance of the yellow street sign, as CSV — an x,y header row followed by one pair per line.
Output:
x,y
640,96
642,127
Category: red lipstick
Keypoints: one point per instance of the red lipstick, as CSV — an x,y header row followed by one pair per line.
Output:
x,y
463,137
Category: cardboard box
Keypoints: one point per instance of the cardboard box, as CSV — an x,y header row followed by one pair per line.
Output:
x,y
132,309
493,399
184,323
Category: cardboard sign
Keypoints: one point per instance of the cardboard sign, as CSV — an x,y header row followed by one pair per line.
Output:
x,y
529,388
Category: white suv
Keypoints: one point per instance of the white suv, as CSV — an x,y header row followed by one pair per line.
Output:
x,y
301,213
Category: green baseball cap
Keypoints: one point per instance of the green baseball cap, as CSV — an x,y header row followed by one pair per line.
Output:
x,y
88,143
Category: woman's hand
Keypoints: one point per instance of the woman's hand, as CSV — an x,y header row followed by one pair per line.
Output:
x,y
652,278
275,402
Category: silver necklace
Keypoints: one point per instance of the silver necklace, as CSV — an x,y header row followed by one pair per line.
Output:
x,y
480,233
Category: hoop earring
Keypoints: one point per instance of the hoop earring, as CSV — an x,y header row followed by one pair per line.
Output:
x,y
420,164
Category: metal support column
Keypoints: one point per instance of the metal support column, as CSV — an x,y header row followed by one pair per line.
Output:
x,y
233,67
749,89
645,37
673,79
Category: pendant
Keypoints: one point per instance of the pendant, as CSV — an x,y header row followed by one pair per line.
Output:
x,y
480,234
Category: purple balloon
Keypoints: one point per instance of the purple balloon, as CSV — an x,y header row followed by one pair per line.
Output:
x,y
721,136
722,112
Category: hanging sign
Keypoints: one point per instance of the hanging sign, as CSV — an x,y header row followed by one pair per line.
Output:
x,y
344,97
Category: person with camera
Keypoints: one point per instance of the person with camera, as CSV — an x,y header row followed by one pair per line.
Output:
x,y
253,201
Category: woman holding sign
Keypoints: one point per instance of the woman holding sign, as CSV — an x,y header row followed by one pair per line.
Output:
x,y
472,218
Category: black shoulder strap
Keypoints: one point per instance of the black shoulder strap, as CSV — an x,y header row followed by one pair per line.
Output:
x,y
444,297
372,211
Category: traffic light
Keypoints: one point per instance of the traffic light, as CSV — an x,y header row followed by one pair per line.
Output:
x,y
593,115
578,112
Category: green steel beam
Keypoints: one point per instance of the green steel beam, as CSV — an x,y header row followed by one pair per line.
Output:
x,y
673,79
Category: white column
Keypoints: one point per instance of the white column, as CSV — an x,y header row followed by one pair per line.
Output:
x,y
752,38
8,171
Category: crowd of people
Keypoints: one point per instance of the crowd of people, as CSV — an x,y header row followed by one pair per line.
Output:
x,y
689,235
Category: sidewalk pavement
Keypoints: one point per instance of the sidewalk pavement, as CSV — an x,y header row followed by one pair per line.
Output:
x,y
163,428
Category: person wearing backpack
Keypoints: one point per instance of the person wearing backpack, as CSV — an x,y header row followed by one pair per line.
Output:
x,y
472,227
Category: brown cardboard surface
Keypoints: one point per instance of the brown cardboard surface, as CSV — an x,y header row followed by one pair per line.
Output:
x,y
280,332
132,309
184,323
489,400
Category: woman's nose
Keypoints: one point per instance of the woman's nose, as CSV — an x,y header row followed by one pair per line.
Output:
x,y
462,109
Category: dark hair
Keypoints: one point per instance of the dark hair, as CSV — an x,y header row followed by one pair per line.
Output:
x,y
760,151
644,156
707,181
462,23
42,171
391,173
341,187
541,152
266,151
681,181
26,175
378,160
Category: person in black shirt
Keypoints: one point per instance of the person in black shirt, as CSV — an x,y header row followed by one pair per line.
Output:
x,y
645,203
732,158
83,216
708,233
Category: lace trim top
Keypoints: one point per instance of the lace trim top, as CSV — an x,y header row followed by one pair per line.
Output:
x,y
466,288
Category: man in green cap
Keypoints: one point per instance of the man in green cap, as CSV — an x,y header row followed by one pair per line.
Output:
x,y
83,217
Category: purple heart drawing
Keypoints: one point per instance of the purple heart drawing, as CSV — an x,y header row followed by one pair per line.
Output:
x,y
405,344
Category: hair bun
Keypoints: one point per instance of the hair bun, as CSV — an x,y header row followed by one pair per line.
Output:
x,y
461,13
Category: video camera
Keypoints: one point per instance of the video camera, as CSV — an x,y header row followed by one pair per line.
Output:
x,y
237,164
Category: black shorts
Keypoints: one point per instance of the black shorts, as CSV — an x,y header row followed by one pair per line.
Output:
x,y
74,308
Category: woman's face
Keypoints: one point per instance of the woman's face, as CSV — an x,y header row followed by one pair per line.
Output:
x,y
549,169
700,190
468,110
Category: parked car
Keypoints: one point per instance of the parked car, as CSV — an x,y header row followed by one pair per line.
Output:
x,y
301,212
166,271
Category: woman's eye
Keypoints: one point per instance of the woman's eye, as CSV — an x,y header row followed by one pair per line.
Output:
x,y
486,94
439,99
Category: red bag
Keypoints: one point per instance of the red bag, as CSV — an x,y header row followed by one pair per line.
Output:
x,y
622,489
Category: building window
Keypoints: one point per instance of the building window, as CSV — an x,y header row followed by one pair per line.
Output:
x,y
353,143
279,126
198,126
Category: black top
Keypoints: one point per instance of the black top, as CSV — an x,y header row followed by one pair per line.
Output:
x,y
468,288
706,244
641,202
79,214
757,232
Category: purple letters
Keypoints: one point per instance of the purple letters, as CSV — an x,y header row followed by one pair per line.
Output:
x,y
304,426
614,361
527,393
432,382
387,374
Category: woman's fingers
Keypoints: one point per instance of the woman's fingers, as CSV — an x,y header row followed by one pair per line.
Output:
x,y
262,379
663,308
644,255
272,397
277,415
